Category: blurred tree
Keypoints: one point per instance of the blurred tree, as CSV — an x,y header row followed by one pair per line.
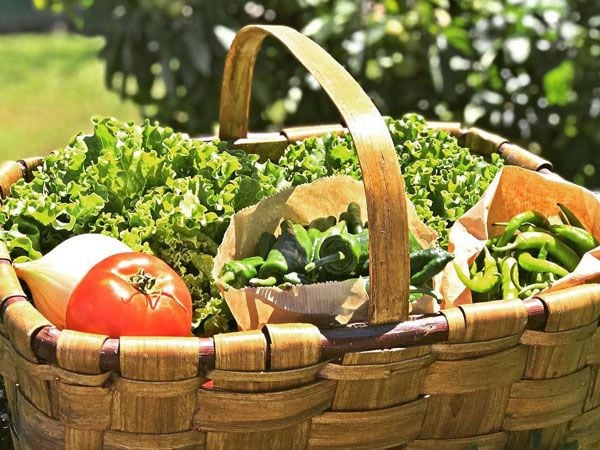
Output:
x,y
527,69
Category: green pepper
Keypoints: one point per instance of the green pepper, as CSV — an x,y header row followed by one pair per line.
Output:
x,y
582,240
265,243
530,240
340,227
353,247
509,290
532,217
533,264
318,226
238,273
425,264
296,278
304,240
482,282
287,254
570,215
263,282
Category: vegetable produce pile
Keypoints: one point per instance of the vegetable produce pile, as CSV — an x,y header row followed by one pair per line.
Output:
x,y
532,253
325,250
165,194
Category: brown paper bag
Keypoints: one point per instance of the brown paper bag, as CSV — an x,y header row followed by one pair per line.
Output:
x,y
515,190
323,304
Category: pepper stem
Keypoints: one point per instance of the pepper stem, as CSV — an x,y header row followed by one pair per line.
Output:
x,y
334,257
227,277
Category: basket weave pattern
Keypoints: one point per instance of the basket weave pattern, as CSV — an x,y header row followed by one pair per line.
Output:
x,y
481,375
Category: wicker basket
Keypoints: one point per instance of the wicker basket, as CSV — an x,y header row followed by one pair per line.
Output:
x,y
496,375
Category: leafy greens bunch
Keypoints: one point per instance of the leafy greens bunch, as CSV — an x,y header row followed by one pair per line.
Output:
x,y
164,193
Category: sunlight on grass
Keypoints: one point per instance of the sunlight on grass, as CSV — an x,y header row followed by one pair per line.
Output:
x,y
51,86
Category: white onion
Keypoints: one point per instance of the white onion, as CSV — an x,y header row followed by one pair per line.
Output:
x,y
52,278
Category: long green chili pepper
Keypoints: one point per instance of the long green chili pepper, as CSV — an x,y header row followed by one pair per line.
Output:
x,y
265,243
513,225
528,290
482,282
570,215
238,273
354,247
322,223
353,219
582,240
530,240
543,255
263,282
532,264
438,258
514,276
287,254
509,290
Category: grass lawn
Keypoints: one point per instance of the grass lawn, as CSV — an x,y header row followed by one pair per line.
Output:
x,y
50,87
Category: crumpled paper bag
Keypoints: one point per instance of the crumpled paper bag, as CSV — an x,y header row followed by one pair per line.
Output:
x,y
323,304
512,191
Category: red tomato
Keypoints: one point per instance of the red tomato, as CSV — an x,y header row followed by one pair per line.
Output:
x,y
131,294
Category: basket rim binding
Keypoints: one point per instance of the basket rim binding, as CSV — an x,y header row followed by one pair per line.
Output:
x,y
335,342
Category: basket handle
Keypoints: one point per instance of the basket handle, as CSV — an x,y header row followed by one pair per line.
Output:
x,y
384,186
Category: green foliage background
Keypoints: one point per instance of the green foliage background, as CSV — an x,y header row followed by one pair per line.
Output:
x,y
526,69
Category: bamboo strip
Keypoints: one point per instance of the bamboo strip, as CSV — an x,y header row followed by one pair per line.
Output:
x,y
156,389
265,381
186,440
552,387
518,156
294,134
77,439
457,377
456,324
485,142
141,406
245,350
585,427
453,128
22,321
557,361
493,320
294,437
159,358
373,371
593,350
84,407
494,441
572,308
382,428
35,429
446,352
465,415
238,412
293,345
531,337
79,352
10,172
